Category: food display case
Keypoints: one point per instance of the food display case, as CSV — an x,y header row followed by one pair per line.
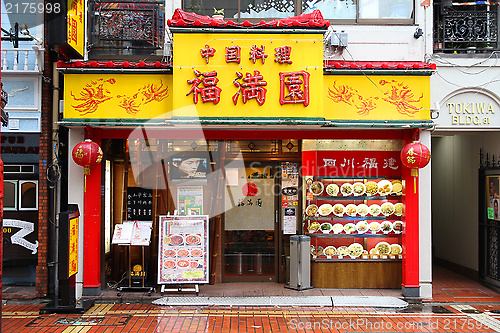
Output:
x,y
356,224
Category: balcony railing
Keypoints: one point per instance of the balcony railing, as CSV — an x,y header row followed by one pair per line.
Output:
x,y
466,31
126,27
22,60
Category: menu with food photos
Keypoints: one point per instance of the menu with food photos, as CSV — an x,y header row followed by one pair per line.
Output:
x,y
136,233
183,249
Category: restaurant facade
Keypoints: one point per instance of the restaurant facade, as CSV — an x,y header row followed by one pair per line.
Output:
x,y
251,127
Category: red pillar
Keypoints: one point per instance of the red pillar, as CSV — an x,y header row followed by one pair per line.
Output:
x,y
411,277
92,227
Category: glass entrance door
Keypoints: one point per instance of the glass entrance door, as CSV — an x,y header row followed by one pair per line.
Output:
x,y
250,225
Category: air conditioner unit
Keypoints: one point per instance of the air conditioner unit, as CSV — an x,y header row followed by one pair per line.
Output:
x,y
338,38
167,48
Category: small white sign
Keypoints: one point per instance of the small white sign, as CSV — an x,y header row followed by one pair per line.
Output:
x,y
231,176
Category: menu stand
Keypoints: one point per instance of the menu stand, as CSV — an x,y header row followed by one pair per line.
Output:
x,y
180,288
142,287
142,237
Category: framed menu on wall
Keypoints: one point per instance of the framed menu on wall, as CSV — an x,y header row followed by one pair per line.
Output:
x,y
183,249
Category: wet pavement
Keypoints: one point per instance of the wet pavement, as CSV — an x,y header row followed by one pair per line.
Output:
x,y
459,304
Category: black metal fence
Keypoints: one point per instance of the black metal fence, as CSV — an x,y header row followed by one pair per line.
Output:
x,y
466,31
126,25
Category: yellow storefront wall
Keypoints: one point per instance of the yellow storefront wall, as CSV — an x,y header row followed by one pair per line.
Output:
x,y
376,97
117,96
208,82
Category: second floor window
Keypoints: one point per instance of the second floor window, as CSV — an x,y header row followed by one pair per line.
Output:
x,y
348,11
126,28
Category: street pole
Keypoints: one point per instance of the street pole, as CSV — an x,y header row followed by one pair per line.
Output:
x,y
4,119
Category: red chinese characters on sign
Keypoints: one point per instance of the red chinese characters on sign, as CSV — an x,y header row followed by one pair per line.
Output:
x,y
73,31
210,92
258,53
207,52
282,54
294,88
252,87
233,54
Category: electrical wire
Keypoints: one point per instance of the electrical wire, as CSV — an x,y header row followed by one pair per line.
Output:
x,y
114,284
439,59
53,169
376,85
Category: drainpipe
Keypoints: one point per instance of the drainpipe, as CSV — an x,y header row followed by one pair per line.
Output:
x,y
55,185
4,99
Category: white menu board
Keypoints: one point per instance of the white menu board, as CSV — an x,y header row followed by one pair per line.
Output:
x,y
141,232
183,249
122,234
137,233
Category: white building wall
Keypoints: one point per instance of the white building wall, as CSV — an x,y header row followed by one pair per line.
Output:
x,y
425,229
75,196
376,42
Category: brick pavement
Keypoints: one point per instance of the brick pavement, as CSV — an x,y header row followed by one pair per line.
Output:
x,y
458,305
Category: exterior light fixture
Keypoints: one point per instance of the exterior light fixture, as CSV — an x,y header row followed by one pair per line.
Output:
x,y
418,33
26,32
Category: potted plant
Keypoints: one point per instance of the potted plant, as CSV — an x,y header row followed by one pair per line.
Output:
x,y
218,14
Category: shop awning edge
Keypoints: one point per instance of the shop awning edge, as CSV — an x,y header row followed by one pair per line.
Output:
x,y
208,121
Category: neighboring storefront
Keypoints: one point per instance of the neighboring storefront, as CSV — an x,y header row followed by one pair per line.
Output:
x,y
251,128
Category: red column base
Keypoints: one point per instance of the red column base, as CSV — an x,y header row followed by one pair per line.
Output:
x,y
411,291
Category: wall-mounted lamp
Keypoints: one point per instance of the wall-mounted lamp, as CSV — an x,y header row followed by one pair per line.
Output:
x,y
418,33
26,32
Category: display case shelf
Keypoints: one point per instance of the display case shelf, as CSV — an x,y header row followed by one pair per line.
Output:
x,y
348,218
366,235
353,198
356,260
350,177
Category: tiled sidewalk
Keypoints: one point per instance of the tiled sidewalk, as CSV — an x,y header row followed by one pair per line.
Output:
x,y
447,287
459,304
121,318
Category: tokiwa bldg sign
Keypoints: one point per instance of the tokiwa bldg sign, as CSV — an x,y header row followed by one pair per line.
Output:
x,y
251,75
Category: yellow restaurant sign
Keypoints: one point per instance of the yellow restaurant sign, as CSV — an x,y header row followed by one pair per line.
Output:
x,y
76,25
117,96
376,97
73,246
248,75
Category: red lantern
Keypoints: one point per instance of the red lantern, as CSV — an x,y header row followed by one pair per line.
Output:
x,y
415,156
87,154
